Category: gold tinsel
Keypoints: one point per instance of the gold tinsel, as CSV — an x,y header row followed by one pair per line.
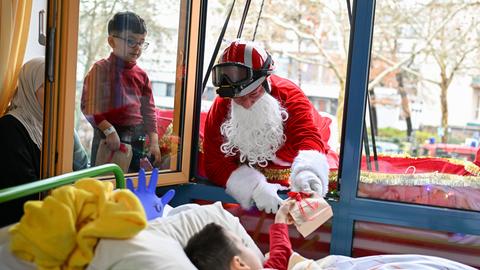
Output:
x,y
433,178
407,179
472,168
420,179
274,174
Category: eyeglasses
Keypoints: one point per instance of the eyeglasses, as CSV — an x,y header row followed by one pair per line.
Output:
x,y
132,42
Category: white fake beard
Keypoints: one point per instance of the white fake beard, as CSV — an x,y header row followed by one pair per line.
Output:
x,y
256,133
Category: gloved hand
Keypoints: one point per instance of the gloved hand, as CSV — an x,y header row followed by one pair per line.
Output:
x,y
152,204
266,198
307,181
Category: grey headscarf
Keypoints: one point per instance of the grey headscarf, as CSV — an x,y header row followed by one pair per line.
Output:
x,y
24,105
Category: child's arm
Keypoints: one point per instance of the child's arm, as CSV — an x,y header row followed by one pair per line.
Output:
x,y
150,120
94,86
112,139
280,246
154,148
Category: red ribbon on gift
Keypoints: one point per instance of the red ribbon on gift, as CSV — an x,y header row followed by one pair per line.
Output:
x,y
123,148
299,197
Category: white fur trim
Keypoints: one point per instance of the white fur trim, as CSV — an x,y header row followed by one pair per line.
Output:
x,y
313,161
281,162
242,182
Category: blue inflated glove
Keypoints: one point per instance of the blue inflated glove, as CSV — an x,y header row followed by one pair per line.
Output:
x,y
152,204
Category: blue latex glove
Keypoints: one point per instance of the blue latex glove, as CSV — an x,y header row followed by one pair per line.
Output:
x,y
152,204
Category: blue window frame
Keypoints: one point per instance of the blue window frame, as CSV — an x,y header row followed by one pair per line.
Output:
x,y
351,208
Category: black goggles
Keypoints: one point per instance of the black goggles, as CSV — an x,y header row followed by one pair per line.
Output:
x,y
235,74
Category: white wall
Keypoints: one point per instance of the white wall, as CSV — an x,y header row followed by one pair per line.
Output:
x,y
34,49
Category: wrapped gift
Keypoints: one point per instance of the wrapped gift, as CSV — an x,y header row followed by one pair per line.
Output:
x,y
308,211
122,157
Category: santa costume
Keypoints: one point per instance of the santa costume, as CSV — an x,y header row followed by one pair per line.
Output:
x,y
244,152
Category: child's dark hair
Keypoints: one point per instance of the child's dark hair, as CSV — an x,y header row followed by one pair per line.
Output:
x,y
126,21
211,248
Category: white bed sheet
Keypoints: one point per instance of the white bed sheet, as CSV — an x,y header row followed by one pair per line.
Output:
x,y
7,260
160,247
382,262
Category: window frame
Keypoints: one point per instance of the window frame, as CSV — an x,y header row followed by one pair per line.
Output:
x,y
351,208
62,41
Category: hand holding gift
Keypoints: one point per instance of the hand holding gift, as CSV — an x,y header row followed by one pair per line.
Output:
x,y
308,211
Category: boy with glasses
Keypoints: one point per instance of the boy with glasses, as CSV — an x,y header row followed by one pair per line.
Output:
x,y
117,95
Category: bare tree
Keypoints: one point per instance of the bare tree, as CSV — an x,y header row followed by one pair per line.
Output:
x,y
322,28
421,28
452,46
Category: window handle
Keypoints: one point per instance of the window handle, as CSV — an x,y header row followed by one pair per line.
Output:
x,y
42,39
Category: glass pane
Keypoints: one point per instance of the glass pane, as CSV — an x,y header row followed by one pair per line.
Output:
x,y
375,238
308,42
129,82
22,75
423,103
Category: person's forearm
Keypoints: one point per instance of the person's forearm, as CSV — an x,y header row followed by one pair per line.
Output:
x,y
153,138
104,125
280,247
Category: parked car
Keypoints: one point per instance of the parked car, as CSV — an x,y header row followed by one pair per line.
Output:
x,y
449,151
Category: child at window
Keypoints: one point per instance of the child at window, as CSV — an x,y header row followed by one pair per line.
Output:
x,y
117,95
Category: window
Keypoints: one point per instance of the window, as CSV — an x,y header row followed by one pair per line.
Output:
x,y
418,110
144,91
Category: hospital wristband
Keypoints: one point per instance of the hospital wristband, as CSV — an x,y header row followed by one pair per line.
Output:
x,y
109,131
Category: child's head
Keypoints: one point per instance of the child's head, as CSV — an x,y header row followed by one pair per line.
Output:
x,y
214,247
126,35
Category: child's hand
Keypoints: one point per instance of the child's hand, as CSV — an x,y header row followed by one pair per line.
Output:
x,y
283,216
154,150
113,141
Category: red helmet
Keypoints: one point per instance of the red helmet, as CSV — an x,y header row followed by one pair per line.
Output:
x,y
242,67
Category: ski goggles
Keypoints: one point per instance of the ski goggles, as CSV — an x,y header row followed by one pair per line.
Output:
x,y
233,74
234,79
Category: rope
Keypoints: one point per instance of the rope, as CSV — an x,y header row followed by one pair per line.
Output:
x,y
258,20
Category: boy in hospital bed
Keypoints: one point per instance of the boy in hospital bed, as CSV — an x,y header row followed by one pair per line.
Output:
x,y
214,239
167,243
161,247
217,247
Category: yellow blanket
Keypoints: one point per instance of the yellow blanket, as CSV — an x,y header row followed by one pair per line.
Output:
x,y
61,231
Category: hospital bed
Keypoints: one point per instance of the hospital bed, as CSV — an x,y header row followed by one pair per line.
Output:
x,y
159,246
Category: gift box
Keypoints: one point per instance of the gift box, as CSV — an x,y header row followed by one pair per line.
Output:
x,y
308,211
122,157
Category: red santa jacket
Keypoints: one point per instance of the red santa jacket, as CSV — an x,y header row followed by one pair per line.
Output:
x,y
305,129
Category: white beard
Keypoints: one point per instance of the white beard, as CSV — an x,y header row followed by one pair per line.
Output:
x,y
255,133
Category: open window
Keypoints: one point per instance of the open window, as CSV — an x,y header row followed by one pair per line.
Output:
x,y
83,41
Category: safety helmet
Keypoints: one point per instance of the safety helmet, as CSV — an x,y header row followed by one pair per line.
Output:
x,y
242,67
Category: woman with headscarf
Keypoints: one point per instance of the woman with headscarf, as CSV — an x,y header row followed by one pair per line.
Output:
x,y
21,137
